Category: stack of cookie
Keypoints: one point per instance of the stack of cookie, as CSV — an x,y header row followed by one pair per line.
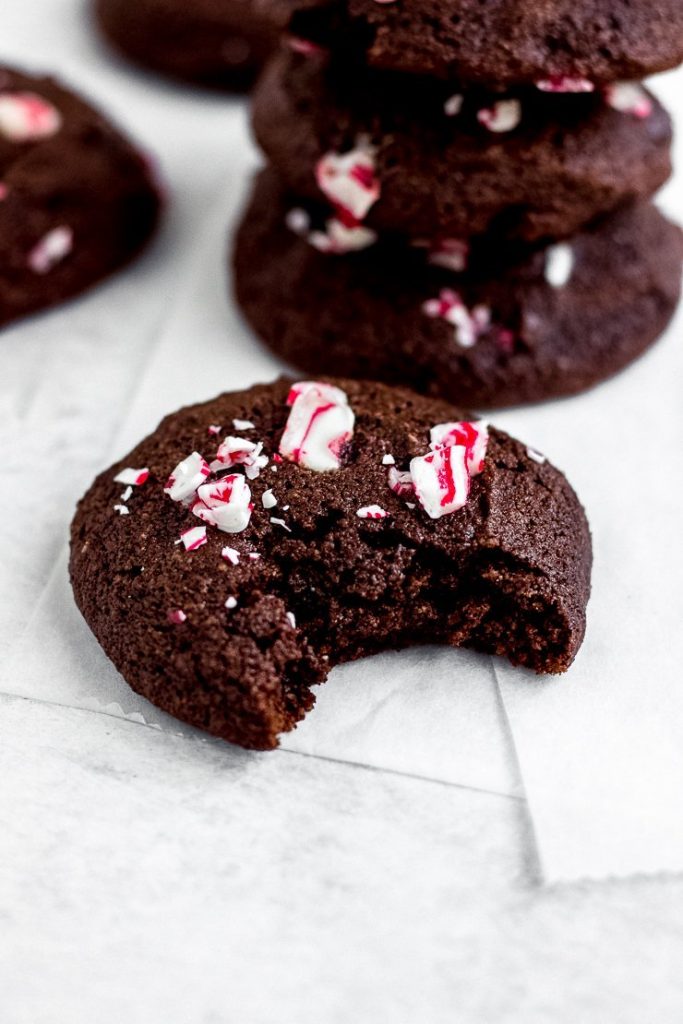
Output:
x,y
458,195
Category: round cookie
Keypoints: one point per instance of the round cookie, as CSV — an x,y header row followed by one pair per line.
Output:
x,y
77,201
499,42
216,43
541,166
388,521
511,328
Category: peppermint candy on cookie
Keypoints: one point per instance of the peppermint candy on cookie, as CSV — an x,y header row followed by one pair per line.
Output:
x,y
319,425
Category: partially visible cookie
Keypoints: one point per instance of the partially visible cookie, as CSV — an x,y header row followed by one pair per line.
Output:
x,y
499,42
514,326
217,43
77,200
528,165
254,541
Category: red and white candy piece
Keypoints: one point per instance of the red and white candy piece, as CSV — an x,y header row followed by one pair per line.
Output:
x,y
132,477
449,253
629,98
231,555
319,424
372,512
565,83
469,325
187,477
401,482
336,239
473,437
176,616
238,451
441,480
193,538
226,503
503,116
26,117
349,181
52,248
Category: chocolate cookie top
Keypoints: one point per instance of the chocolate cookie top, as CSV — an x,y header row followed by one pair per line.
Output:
x,y
487,325
438,163
500,42
256,540
77,200
217,43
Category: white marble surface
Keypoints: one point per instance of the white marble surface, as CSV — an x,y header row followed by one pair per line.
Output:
x,y
163,878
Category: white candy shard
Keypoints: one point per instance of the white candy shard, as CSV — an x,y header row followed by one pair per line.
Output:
x,y
441,480
473,437
565,83
132,477
193,538
469,325
231,555
536,456
187,477
388,460
26,117
268,499
51,249
337,237
349,181
238,451
243,425
226,503
319,424
372,512
453,105
629,98
400,482
122,510
559,264
291,619
280,522
503,116
231,603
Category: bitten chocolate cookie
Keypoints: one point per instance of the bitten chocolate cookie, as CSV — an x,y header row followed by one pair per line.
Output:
x,y
77,201
436,162
254,541
217,43
499,42
492,326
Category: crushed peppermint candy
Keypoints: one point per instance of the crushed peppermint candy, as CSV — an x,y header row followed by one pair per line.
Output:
x,y
441,480
225,504
122,510
176,616
52,248
388,460
231,603
254,555
453,105
291,619
213,429
473,437
127,494
565,83
559,264
320,422
282,523
187,477
536,456
243,425
27,117
304,46
337,238
503,116
268,499
231,555
193,538
349,181
629,98
371,512
401,482
132,477
469,325
238,451
449,253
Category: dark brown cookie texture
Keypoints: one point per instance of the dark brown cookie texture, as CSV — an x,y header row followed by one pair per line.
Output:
x,y
499,42
217,43
77,200
532,165
254,541
514,326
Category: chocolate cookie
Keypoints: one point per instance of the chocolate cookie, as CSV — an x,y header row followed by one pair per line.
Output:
x,y
532,165
218,43
514,326
331,520
499,42
77,201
